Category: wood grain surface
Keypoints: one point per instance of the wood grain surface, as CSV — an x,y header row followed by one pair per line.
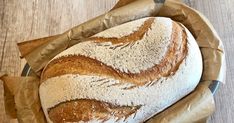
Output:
x,y
29,19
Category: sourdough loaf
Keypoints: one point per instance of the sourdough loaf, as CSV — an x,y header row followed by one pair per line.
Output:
x,y
124,74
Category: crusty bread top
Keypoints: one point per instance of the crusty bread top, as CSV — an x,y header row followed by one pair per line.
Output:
x,y
134,57
142,66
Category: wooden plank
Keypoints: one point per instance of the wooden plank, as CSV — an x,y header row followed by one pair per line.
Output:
x,y
24,20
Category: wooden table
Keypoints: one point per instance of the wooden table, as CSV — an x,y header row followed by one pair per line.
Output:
x,y
29,19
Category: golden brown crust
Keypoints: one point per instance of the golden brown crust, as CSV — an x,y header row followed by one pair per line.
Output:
x,y
85,110
135,36
77,64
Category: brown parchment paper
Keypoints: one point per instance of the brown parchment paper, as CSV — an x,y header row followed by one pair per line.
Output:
x,y
195,107
121,3
9,106
22,99
4,116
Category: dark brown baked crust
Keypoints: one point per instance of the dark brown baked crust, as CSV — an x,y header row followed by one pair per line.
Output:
x,y
85,110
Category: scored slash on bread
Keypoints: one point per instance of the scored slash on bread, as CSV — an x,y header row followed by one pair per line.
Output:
x,y
149,63
83,108
83,65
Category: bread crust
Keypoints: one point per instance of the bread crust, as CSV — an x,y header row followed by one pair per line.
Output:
x,y
82,65
117,92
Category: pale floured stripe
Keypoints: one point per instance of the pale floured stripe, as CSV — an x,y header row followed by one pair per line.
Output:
x,y
130,57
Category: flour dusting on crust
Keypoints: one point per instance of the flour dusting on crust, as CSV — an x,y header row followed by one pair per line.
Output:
x,y
131,57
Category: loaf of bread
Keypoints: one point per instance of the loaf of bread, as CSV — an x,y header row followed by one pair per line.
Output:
x,y
127,73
